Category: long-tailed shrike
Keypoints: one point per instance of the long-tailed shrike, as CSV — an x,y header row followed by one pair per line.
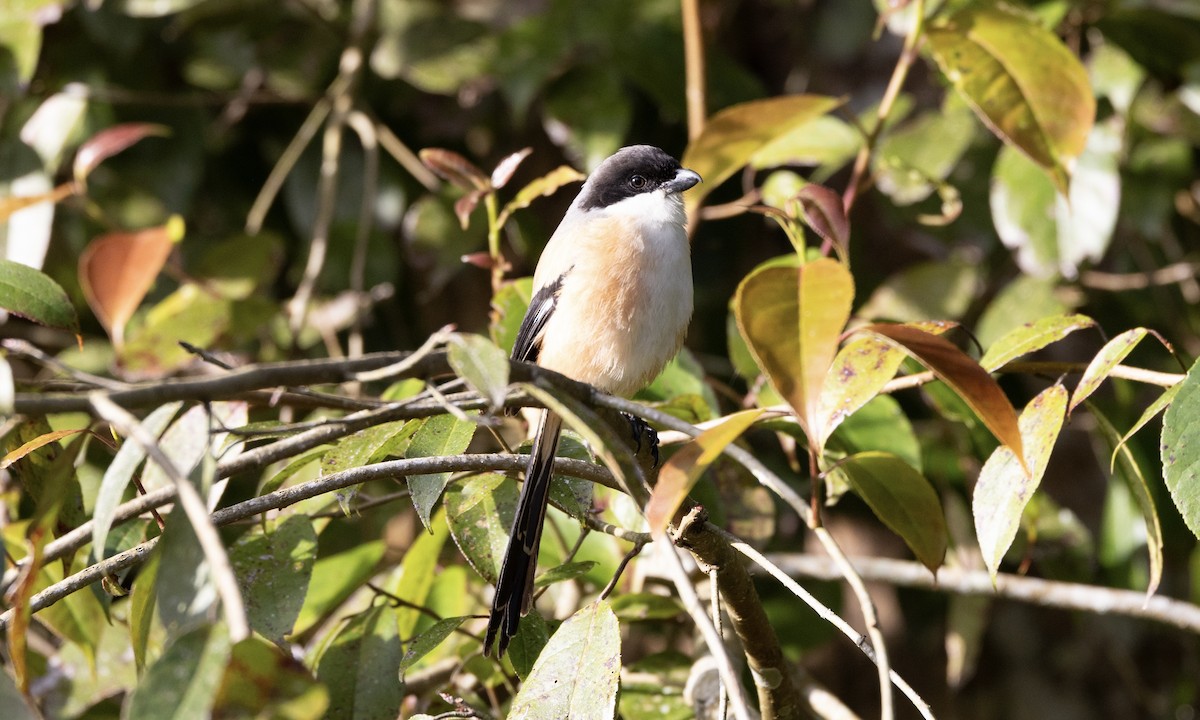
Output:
x,y
611,304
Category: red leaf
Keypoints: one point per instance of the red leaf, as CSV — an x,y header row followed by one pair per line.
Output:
x,y
111,141
454,168
824,213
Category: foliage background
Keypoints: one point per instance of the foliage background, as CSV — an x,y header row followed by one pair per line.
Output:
x,y
233,82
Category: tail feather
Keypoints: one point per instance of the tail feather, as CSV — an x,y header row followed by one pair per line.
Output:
x,y
514,587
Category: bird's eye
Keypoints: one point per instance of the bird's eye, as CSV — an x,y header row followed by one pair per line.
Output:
x,y
637,182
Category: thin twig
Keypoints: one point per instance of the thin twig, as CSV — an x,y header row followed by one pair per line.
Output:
x,y
693,57
1173,274
365,129
907,56
612,584
829,615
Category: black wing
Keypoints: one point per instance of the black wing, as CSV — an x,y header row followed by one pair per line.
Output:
x,y
541,307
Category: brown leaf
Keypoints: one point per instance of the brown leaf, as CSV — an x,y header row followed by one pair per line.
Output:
x,y
965,376
465,205
824,213
109,142
455,169
116,271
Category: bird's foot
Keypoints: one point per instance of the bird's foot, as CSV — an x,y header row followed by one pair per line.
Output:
x,y
643,433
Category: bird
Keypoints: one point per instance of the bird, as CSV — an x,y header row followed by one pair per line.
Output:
x,y
611,306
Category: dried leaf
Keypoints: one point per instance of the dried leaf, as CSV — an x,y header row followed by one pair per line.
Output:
x,y
455,169
504,169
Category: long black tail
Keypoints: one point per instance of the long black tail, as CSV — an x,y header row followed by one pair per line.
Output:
x,y
514,588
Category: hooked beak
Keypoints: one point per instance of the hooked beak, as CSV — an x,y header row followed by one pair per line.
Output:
x,y
683,180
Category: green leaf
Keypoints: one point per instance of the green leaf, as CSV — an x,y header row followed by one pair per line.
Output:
x,y
118,474
1111,355
363,448
263,681
191,313
479,512
508,309
882,425
1025,299
523,650
792,319
1152,411
680,473
1032,337
593,107
417,574
1021,81
903,499
361,668
423,644
925,291
567,571
187,598
438,436
577,674
732,136
967,378
334,578
643,606
1181,449
182,684
859,371
273,570
911,161
482,365
1005,485
31,294
142,601
1130,471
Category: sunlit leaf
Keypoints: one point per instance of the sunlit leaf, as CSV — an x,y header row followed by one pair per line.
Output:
x,y
118,474
1031,337
117,269
508,309
1020,79
577,674
191,313
183,682
1005,484
545,186
483,365
903,499
273,570
1025,299
109,142
684,468
859,371
968,379
792,319
31,294
732,136
504,169
1130,471
912,160
479,512
440,435
1181,449
1111,355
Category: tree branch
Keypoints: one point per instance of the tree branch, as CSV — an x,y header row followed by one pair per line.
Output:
x,y
1036,591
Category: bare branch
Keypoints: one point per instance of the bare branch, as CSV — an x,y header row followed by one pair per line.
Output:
x,y
1036,591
